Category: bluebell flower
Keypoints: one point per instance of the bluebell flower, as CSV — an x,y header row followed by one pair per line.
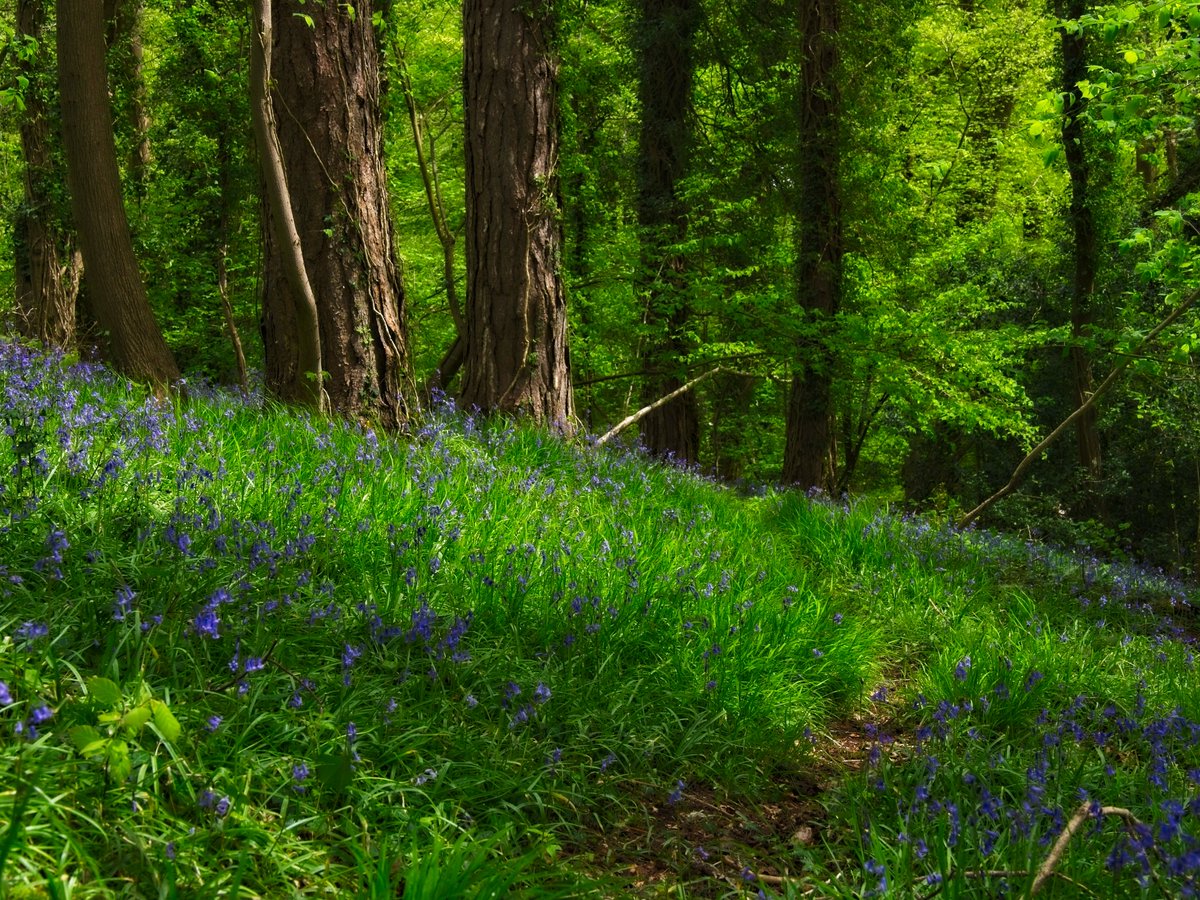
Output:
x,y
425,777
960,671
5,697
541,693
677,794
214,722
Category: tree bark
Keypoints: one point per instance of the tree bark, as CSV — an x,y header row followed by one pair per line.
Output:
x,y
117,293
665,35
1084,244
292,333
123,37
517,356
48,265
806,462
327,87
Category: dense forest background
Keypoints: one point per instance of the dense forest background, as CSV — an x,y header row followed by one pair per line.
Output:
x,y
887,247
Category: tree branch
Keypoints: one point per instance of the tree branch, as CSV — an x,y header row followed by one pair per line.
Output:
x,y
1022,468
646,410
1046,871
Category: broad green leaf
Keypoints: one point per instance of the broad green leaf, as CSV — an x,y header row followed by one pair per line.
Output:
x,y
1131,56
84,737
136,718
104,691
335,772
165,721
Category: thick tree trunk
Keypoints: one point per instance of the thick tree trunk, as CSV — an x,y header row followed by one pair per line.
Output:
x,y
807,463
115,286
48,265
665,36
517,356
326,84
1085,247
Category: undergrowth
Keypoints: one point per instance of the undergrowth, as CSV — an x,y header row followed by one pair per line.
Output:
x,y
246,651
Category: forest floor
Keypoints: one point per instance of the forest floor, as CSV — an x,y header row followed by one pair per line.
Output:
x,y
245,652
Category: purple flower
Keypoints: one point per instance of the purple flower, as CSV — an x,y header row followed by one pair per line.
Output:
x,y
960,671
214,722
41,715
5,697
426,776
223,807
677,794
124,603
31,631
206,622
541,693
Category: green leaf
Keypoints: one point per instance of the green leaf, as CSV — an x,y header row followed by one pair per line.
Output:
x,y
1051,154
136,718
104,691
335,772
1131,56
165,721
119,764
85,738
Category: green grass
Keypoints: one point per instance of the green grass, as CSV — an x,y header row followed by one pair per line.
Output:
x,y
252,653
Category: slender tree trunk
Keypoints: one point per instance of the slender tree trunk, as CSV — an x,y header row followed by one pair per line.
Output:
x,y
665,33
1085,247
326,86
48,266
426,148
115,286
806,461
225,179
517,356
292,334
123,36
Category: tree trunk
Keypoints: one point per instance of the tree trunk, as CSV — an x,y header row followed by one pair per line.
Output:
x,y
1085,247
806,461
48,265
326,82
291,321
123,37
665,37
517,356
426,148
115,286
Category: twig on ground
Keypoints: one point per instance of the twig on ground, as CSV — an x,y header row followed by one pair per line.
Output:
x,y
1081,815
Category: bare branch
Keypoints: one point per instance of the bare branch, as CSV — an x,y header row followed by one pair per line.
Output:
x,y
646,410
1022,468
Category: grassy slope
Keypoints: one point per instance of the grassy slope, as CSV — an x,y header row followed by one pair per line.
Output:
x,y
487,658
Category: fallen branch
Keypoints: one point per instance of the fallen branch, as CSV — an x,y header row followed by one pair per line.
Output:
x,y
1077,819
646,410
1022,468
